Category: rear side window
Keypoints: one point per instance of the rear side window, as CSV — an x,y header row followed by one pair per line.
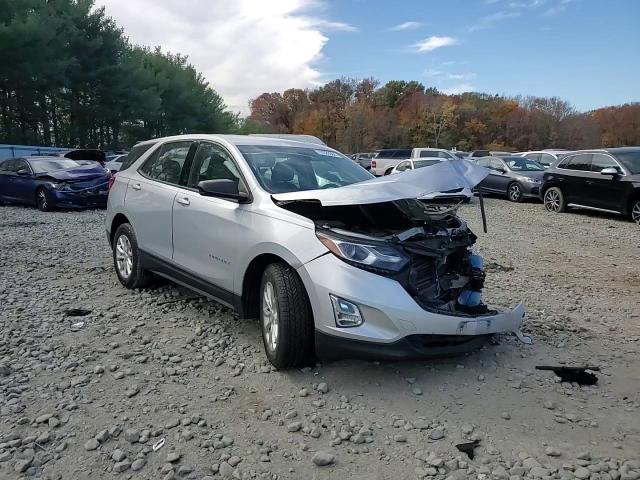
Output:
x,y
402,154
580,162
136,152
169,163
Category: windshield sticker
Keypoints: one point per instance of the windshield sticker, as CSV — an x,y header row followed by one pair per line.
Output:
x,y
328,153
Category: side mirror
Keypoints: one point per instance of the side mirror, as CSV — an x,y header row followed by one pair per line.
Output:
x,y
223,188
23,172
609,171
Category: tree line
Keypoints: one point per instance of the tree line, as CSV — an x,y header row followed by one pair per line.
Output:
x,y
70,77
362,115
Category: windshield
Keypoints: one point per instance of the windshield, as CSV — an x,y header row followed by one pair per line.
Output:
x,y
295,169
424,163
43,166
631,160
522,164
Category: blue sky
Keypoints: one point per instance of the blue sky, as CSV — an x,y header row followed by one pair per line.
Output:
x,y
585,51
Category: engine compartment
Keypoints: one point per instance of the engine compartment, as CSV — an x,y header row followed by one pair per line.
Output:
x,y
442,275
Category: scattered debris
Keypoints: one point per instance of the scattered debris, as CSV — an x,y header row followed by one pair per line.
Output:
x,y
578,375
77,312
159,444
468,448
77,326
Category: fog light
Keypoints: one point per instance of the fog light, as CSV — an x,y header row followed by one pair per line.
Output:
x,y
347,314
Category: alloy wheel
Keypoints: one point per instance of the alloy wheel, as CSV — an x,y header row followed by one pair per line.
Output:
x,y
552,201
42,200
124,256
635,212
270,316
514,192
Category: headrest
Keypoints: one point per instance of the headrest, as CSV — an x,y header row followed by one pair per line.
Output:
x,y
282,173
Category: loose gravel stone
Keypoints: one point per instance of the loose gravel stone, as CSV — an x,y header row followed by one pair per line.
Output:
x,y
322,459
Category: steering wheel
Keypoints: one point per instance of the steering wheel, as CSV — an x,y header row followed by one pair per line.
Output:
x,y
330,185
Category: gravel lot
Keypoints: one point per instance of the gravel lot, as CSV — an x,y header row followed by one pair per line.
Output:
x,y
91,401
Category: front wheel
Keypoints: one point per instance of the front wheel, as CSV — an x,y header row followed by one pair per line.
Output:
x,y
514,192
44,201
285,317
554,200
635,211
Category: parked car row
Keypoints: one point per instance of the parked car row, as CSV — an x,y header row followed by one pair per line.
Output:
x,y
606,180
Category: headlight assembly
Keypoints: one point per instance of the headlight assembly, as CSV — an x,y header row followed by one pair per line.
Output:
x,y
365,254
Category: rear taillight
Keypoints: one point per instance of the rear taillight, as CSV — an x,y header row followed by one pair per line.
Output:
x,y
112,179
373,164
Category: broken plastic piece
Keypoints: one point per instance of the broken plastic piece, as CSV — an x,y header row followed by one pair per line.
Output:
x,y
158,445
526,339
468,448
77,312
77,326
573,374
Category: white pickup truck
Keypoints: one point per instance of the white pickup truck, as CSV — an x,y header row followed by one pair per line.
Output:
x,y
384,160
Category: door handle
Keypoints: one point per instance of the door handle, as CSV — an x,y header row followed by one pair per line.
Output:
x,y
136,186
183,201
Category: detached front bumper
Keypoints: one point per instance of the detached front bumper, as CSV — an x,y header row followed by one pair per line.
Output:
x,y
395,326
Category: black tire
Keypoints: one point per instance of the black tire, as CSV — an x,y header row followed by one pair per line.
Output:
x,y
635,210
554,200
514,192
388,171
294,345
44,201
138,277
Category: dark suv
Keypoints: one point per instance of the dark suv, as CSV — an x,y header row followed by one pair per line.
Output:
x,y
606,180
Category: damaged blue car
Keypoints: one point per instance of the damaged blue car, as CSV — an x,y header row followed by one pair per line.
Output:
x,y
54,182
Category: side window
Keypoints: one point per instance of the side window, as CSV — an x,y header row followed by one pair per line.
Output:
x,y
425,154
546,159
136,152
600,161
402,166
8,166
443,155
580,162
483,162
21,165
166,165
497,165
212,163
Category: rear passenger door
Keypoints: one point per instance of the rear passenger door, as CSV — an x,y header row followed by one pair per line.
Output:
x,y
208,230
150,194
577,180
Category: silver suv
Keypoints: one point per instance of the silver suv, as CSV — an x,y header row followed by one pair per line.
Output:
x,y
332,261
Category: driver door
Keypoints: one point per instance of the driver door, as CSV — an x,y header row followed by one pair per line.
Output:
x,y
23,186
207,230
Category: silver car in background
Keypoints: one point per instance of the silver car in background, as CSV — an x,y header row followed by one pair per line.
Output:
x,y
332,261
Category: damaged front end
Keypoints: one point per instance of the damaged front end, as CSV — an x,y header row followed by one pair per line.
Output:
x,y
422,244
407,230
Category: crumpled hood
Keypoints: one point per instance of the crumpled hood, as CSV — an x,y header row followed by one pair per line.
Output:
x,y
428,182
79,173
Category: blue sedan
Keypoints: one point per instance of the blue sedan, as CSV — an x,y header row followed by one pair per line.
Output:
x,y
53,182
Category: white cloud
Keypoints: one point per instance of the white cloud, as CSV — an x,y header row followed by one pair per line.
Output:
x,y
405,26
458,89
560,7
461,76
243,48
431,43
489,20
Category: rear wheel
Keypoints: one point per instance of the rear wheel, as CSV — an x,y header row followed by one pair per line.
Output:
x,y
514,192
635,211
388,171
554,200
126,258
285,317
